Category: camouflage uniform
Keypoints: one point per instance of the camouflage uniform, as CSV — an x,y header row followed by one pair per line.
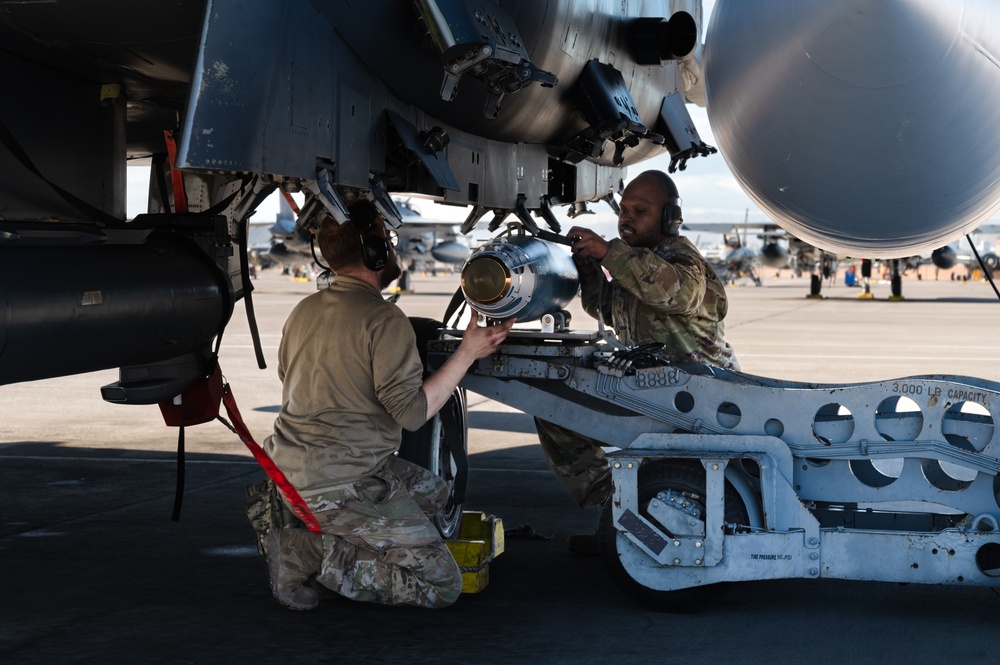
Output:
x,y
378,543
668,295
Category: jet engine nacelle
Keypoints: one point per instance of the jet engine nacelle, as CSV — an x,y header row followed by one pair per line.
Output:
x,y
450,252
774,255
863,128
944,257
519,276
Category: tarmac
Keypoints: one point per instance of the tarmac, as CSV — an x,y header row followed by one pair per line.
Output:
x,y
95,571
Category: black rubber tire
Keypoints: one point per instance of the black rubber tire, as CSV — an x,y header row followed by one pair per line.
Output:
x,y
653,479
440,456
815,285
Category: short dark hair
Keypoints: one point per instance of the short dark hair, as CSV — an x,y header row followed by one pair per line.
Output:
x,y
664,182
340,244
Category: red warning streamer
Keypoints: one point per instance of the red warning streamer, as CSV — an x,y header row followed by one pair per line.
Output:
x,y
176,177
292,496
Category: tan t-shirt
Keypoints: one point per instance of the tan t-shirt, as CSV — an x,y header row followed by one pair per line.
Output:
x,y
351,379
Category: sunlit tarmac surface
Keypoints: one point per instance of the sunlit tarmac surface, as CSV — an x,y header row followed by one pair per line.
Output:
x,y
95,570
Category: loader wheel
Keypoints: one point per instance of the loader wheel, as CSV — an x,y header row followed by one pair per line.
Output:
x,y
441,446
653,479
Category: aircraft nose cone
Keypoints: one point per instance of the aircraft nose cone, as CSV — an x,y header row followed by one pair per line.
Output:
x,y
864,128
773,255
944,257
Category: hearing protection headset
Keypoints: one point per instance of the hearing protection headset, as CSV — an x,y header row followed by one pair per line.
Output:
x,y
374,248
671,219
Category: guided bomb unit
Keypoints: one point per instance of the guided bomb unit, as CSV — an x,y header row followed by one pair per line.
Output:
x,y
523,277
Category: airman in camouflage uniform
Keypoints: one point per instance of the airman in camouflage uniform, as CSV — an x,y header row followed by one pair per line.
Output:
x,y
352,379
661,290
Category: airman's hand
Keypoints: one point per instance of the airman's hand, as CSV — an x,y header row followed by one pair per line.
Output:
x,y
587,244
479,342
476,343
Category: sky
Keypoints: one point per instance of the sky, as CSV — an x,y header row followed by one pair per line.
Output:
x,y
708,189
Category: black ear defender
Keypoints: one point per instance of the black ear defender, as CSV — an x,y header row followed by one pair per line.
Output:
x,y
374,248
374,251
671,218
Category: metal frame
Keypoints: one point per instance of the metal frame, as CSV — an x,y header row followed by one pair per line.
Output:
x,y
850,480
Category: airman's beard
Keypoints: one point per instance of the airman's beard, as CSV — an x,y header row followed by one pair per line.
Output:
x,y
390,273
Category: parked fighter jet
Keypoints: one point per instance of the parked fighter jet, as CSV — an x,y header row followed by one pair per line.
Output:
x,y
848,123
782,249
945,258
273,238
509,108
950,255
734,260
779,249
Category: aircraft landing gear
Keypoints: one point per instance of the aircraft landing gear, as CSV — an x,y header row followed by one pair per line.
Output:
x,y
440,446
896,282
815,286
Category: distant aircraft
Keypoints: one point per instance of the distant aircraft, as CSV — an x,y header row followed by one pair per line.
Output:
x,y
733,259
739,261
420,241
950,255
270,240
780,249
423,240
944,258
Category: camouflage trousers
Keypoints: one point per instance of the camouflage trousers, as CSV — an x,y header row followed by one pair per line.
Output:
x,y
379,544
578,462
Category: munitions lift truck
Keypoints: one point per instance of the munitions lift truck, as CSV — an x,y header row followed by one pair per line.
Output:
x,y
721,476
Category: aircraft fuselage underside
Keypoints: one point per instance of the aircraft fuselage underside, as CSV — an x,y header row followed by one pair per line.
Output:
x,y
892,481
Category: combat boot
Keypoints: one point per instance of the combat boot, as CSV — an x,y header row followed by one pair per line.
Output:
x,y
293,556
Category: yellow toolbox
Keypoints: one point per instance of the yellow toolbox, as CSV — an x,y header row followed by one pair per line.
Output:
x,y
479,541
